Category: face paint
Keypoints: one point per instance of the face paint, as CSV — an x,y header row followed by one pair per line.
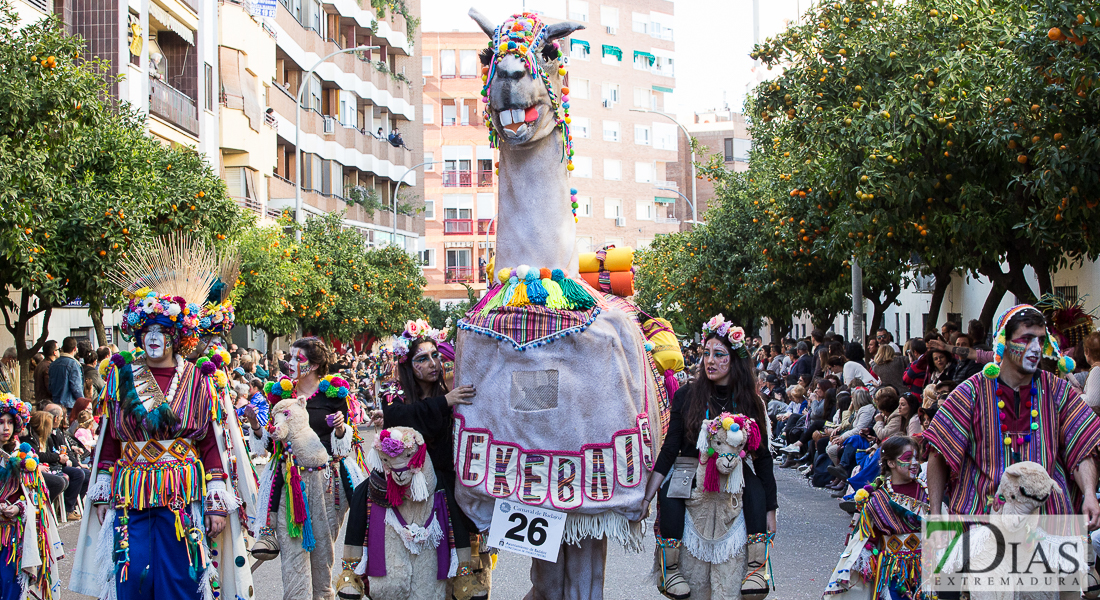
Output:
x,y
907,465
426,363
299,364
716,360
1025,351
154,342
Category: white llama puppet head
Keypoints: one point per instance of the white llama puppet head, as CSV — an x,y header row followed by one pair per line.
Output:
x,y
1023,490
722,446
400,453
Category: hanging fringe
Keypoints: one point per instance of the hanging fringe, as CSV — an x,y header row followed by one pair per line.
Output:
x,y
606,524
718,550
735,481
711,476
395,494
104,556
506,297
519,298
576,296
341,447
420,539
153,485
672,385
418,489
536,293
308,541
554,297
493,293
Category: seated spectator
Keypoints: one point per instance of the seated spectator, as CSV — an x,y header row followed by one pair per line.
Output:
x,y
74,452
84,431
890,420
380,135
49,460
256,405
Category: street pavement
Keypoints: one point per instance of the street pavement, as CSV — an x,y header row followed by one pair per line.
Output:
x,y
811,537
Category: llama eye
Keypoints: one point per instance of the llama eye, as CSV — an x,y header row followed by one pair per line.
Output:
x,y
286,413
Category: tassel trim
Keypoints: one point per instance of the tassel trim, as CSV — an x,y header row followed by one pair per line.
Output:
x,y
415,537
606,524
718,550
154,485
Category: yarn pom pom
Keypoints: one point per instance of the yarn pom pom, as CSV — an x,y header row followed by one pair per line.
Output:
x,y
557,275
522,270
861,495
216,359
649,346
118,361
503,275
202,361
992,370
268,386
207,368
1066,364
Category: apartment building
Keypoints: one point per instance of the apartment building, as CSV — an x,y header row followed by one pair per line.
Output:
x,y
460,184
722,133
348,99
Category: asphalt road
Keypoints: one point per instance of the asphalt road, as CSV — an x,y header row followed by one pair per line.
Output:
x,y
811,536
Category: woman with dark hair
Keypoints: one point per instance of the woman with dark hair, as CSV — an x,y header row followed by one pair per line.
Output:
x,y
822,407
884,547
419,399
726,384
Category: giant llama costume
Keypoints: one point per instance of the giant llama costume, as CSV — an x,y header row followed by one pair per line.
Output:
x,y
570,408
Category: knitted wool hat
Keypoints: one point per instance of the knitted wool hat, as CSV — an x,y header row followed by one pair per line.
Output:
x,y
1050,344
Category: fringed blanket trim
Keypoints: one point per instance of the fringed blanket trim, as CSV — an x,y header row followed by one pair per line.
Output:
x,y
718,550
435,533
159,484
529,326
603,525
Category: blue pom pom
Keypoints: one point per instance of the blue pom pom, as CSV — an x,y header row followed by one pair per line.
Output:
x,y
25,447
573,191
342,393
324,385
557,275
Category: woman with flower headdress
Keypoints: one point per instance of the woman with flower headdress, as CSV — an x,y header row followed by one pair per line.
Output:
x,y
307,559
726,383
419,399
28,532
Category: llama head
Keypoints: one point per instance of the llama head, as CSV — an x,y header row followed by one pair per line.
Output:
x,y
1023,490
722,445
287,416
400,453
523,77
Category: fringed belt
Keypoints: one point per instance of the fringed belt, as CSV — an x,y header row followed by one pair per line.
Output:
x,y
898,566
159,473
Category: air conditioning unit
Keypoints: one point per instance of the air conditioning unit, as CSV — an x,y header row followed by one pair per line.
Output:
x,y
612,30
330,124
608,104
620,221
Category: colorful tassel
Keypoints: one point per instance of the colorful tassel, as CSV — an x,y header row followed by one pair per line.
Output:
x,y
554,297
513,282
418,457
710,479
577,297
671,384
519,298
395,494
535,292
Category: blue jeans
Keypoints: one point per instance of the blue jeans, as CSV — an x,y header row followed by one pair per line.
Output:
x,y
159,567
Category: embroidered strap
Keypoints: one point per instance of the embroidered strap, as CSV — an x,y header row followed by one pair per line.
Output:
x,y
153,451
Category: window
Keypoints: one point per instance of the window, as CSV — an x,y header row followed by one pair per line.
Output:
x,y
429,157
611,131
580,127
741,149
582,166
643,61
645,210
728,145
584,206
1066,293
665,136
584,244
663,66
609,93
447,64
450,116
643,172
208,72
427,258
613,241
464,112
429,210
642,243
458,206
348,116
578,89
578,11
609,16
458,258
612,55
467,63
641,135
579,49
612,208
639,22
429,113
313,101
426,66
645,98
612,169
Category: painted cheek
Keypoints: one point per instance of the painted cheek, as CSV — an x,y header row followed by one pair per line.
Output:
x,y
1016,349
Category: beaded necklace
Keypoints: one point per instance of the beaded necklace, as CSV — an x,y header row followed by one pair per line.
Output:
x,y
1027,405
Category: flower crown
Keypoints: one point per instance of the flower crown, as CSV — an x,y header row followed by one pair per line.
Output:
x,y
179,318
416,329
19,410
734,335
279,390
393,442
731,422
216,319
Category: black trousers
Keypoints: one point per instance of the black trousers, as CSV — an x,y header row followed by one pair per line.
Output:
x,y
78,486
358,519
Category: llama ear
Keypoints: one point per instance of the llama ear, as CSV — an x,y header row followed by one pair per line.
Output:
x,y
560,30
302,401
483,22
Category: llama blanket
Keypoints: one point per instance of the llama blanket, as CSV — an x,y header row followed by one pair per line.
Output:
x,y
572,423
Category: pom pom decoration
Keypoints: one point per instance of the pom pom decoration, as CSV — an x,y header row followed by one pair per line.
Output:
x,y
992,370
207,368
861,495
19,410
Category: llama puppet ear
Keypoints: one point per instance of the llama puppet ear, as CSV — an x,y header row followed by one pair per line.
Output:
x,y
483,22
560,30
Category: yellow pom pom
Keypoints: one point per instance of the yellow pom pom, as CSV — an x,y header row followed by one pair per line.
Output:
x,y
727,422
561,71
570,166
285,384
31,464
568,120
1001,404
503,275
1008,440
861,495
220,378
1035,413
503,47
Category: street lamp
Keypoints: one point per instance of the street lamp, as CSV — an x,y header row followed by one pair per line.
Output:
x,y
299,218
694,197
400,180
690,203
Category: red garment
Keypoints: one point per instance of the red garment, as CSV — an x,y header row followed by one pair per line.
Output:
x,y
207,447
911,489
1017,414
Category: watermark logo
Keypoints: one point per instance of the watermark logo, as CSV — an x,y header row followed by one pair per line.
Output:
x,y
1004,553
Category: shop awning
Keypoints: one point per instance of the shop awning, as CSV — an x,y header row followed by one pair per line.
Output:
x,y
612,51
661,88
664,200
575,43
646,55
171,23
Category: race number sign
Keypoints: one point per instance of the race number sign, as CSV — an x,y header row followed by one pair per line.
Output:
x,y
527,530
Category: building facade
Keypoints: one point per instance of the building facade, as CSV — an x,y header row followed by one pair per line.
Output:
x,y
721,133
460,184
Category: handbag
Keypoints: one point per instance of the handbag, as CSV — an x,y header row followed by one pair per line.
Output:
x,y
681,477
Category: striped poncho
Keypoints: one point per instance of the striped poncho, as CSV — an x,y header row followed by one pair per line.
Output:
x,y
967,432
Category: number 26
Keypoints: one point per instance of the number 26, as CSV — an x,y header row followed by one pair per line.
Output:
x,y
536,532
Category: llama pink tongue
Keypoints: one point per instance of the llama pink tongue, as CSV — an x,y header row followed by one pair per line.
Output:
x,y
531,114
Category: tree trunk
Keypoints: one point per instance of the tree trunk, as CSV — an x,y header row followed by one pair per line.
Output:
x,y
273,365
1042,274
95,311
943,280
823,322
989,309
18,329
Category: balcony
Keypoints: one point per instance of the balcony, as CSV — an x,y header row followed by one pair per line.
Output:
x,y
485,178
458,226
458,178
665,220
252,204
460,275
174,106
486,227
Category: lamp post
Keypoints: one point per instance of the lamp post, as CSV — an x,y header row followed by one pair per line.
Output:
x,y
690,203
299,218
400,180
694,196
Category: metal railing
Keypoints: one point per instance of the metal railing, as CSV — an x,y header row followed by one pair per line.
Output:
x,y
251,204
460,274
458,179
486,227
458,226
169,103
271,121
485,178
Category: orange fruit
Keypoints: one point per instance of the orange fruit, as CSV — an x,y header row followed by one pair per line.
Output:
x,y
1054,34
1022,159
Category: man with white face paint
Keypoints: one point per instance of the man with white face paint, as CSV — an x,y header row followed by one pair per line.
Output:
x,y
1011,412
